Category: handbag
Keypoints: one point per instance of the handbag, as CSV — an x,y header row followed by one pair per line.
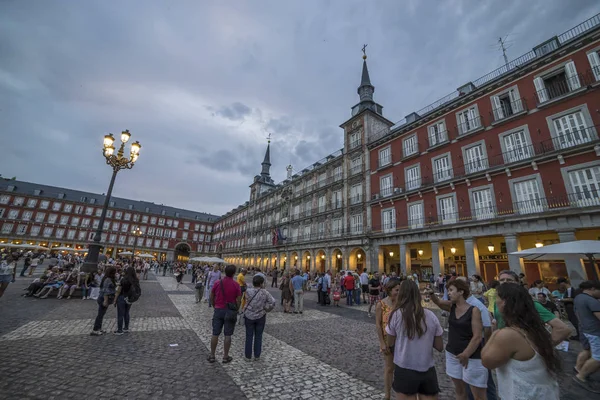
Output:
x,y
241,315
231,309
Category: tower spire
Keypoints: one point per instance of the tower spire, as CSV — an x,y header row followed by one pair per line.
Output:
x,y
365,90
266,164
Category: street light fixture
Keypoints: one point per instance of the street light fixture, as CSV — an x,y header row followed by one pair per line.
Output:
x,y
491,247
538,243
391,254
420,251
452,249
136,232
117,162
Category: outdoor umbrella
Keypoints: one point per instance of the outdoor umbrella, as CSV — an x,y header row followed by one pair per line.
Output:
x,y
125,253
589,249
145,255
63,248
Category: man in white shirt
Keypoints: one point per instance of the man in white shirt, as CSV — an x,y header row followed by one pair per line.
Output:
x,y
364,285
325,286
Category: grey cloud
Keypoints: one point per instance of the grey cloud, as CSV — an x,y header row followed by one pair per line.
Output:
x,y
71,72
235,112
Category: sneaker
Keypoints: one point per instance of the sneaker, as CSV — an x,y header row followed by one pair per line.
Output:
x,y
247,359
125,330
256,358
369,315
119,333
96,333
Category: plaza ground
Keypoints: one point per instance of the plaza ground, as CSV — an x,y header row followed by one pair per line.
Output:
x,y
325,353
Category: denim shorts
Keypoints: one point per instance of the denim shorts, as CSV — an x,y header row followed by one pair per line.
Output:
x,y
594,345
218,322
5,278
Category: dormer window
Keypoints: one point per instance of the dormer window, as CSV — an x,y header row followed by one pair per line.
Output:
x,y
11,188
61,195
37,192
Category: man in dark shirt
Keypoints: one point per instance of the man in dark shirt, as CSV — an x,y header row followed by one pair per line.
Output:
x,y
374,288
548,305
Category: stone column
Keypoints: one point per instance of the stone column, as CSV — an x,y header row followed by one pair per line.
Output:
x,y
472,255
513,244
575,266
404,259
437,257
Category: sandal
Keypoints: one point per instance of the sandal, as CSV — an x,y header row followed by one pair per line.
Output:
x,y
227,359
211,359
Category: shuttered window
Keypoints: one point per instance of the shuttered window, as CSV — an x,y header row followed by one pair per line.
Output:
x,y
447,210
586,186
527,197
483,206
516,147
415,215
388,218
442,170
475,159
571,130
413,178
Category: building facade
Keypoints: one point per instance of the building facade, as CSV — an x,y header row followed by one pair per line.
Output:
x,y
508,162
57,217
316,219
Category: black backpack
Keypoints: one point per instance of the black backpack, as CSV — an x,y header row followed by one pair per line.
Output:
x,y
135,291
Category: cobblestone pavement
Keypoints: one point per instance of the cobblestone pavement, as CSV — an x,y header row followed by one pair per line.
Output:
x,y
324,353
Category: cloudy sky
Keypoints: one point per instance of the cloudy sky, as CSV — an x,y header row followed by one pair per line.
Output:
x,y
200,83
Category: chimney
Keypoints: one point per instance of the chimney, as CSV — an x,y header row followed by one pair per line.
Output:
x,y
289,170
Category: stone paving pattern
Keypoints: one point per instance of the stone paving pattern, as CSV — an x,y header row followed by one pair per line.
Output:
x,y
325,353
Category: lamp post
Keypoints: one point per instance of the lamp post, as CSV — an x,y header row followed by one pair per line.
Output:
x,y
118,162
136,232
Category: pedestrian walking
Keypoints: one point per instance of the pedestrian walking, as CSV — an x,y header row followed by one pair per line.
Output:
x,y
107,296
364,285
226,296
374,288
382,315
127,282
26,265
412,332
260,302
199,286
522,352
325,288
212,277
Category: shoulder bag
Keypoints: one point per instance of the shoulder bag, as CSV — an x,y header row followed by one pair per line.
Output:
x,y
241,316
231,309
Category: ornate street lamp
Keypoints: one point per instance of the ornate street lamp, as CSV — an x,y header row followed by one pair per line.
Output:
x,y
491,247
136,232
118,162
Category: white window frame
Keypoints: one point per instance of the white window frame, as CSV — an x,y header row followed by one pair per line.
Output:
x,y
410,145
569,140
386,185
356,224
593,56
415,221
451,217
581,199
473,120
471,167
525,152
437,176
516,103
388,220
40,216
571,77
385,156
483,213
356,196
530,206
414,182
437,133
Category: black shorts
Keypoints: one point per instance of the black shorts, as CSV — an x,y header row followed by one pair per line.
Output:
x,y
365,288
409,382
219,322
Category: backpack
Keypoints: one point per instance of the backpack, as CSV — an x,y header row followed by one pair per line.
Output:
x,y
135,291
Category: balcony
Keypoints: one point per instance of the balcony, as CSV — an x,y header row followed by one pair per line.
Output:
x,y
559,86
470,126
508,109
409,150
547,205
356,169
386,191
443,175
356,199
354,144
438,138
384,161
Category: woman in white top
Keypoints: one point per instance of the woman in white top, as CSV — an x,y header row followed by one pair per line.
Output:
x,y
538,287
522,353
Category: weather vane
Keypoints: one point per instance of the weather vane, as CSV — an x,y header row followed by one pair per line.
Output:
x,y
269,138
364,50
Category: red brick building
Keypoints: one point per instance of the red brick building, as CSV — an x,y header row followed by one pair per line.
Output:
x,y
510,161
57,217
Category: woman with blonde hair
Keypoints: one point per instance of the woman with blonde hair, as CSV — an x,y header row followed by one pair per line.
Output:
x,y
382,315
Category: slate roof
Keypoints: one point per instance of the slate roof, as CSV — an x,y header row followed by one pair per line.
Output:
x,y
78,196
